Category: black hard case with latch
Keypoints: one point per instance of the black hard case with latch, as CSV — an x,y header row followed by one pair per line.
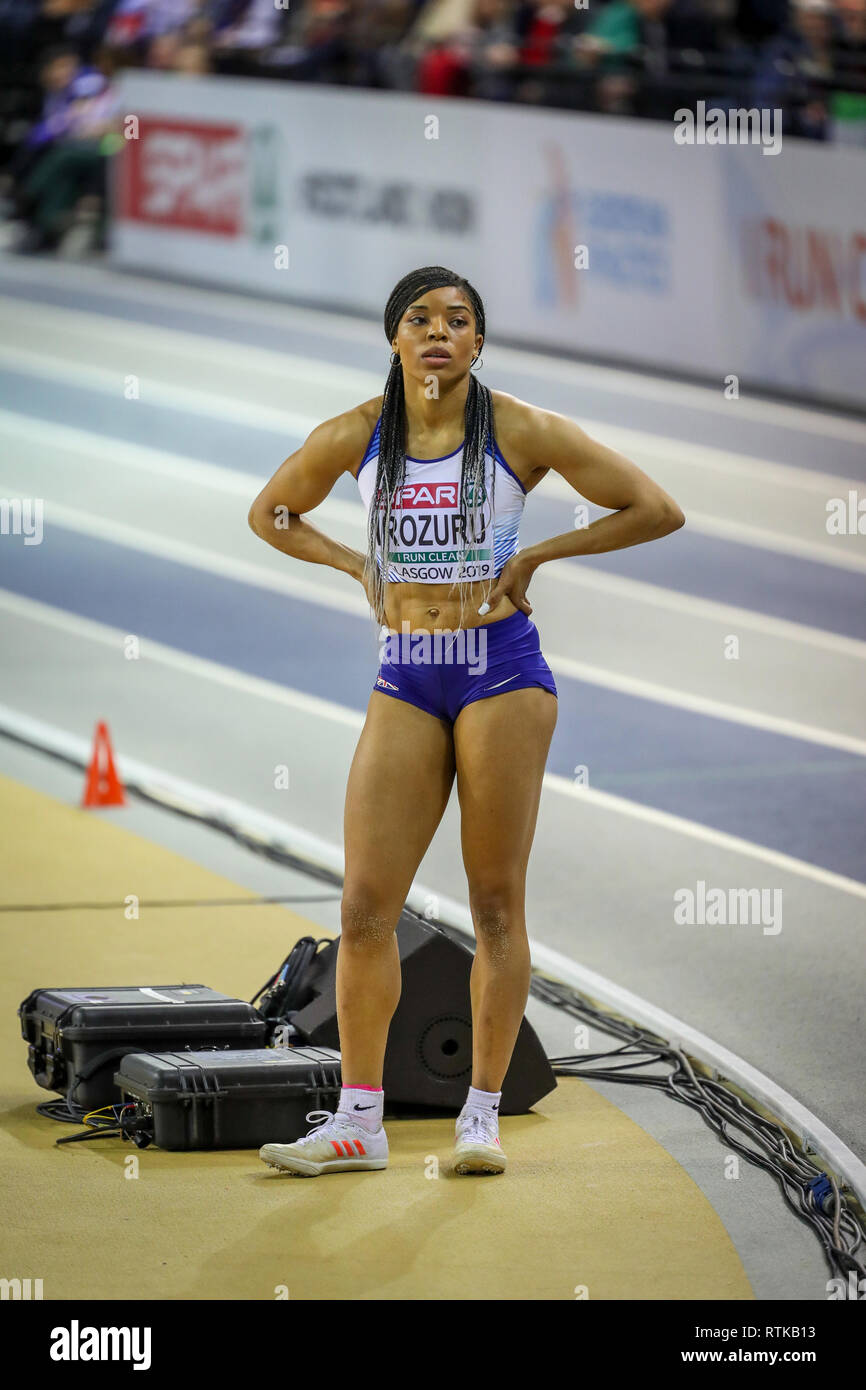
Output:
x,y
77,1037
226,1100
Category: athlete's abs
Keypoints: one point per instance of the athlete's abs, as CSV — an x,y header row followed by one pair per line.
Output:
x,y
426,607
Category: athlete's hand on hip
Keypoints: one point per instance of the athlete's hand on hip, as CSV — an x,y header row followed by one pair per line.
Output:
x,y
512,583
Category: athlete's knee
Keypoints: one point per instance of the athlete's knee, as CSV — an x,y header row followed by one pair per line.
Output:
x,y
367,919
497,911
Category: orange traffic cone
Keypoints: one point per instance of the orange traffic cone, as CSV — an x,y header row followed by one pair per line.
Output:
x,y
103,786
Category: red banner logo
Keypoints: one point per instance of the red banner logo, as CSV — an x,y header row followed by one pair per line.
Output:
x,y
186,174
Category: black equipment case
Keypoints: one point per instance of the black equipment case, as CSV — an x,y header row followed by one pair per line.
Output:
x,y
76,1037
226,1100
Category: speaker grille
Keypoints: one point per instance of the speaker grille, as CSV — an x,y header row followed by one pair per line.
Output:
x,y
445,1047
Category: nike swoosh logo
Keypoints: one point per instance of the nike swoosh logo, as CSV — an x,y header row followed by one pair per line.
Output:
x,y
365,1107
505,682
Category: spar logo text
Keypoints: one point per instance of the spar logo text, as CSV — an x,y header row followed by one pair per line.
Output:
x,y
426,514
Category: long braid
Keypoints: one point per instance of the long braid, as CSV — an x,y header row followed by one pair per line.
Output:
x,y
390,476
391,469
479,428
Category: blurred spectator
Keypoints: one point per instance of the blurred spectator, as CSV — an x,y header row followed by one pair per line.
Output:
x,y
491,43
132,20
443,70
316,42
193,59
246,23
173,50
18,14
654,29
162,51
375,30
82,23
440,20
851,34
758,20
545,31
219,23
641,48
848,102
542,26
17,20
65,154
434,60
795,67
57,71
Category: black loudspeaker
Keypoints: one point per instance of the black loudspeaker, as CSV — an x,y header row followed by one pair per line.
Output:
x,y
428,1060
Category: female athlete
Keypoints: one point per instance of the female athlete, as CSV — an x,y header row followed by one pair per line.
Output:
x,y
443,466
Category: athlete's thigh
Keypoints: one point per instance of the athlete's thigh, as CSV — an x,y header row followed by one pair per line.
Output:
x,y
399,785
501,746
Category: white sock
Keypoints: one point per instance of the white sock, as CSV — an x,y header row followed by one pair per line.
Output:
x,y
363,1104
485,1101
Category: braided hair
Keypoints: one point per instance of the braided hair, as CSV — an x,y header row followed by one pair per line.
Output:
x,y
391,470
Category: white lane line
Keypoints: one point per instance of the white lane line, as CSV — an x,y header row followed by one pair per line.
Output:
x,y
123,453
701,704
208,561
295,425
321,853
719,838
34,611
233,482
703,609
212,562
626,381
217,301
707,457
135,338
758,536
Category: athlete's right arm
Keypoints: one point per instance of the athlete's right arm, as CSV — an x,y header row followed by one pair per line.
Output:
x,y
303,482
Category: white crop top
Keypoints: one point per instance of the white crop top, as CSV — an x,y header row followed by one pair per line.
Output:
x,y
426,541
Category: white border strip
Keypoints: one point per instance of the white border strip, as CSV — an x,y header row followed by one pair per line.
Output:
x,y
321,853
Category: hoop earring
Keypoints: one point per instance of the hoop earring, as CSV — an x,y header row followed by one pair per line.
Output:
x,y
476,362
395,358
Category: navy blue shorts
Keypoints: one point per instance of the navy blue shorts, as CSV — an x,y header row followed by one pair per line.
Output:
x,y
453,667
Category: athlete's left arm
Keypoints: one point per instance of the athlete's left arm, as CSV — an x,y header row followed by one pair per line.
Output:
x,y
642,511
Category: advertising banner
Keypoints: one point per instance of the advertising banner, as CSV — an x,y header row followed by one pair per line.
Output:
x,y
595,235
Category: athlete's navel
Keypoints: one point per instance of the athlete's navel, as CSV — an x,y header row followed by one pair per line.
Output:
x,y
434,612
